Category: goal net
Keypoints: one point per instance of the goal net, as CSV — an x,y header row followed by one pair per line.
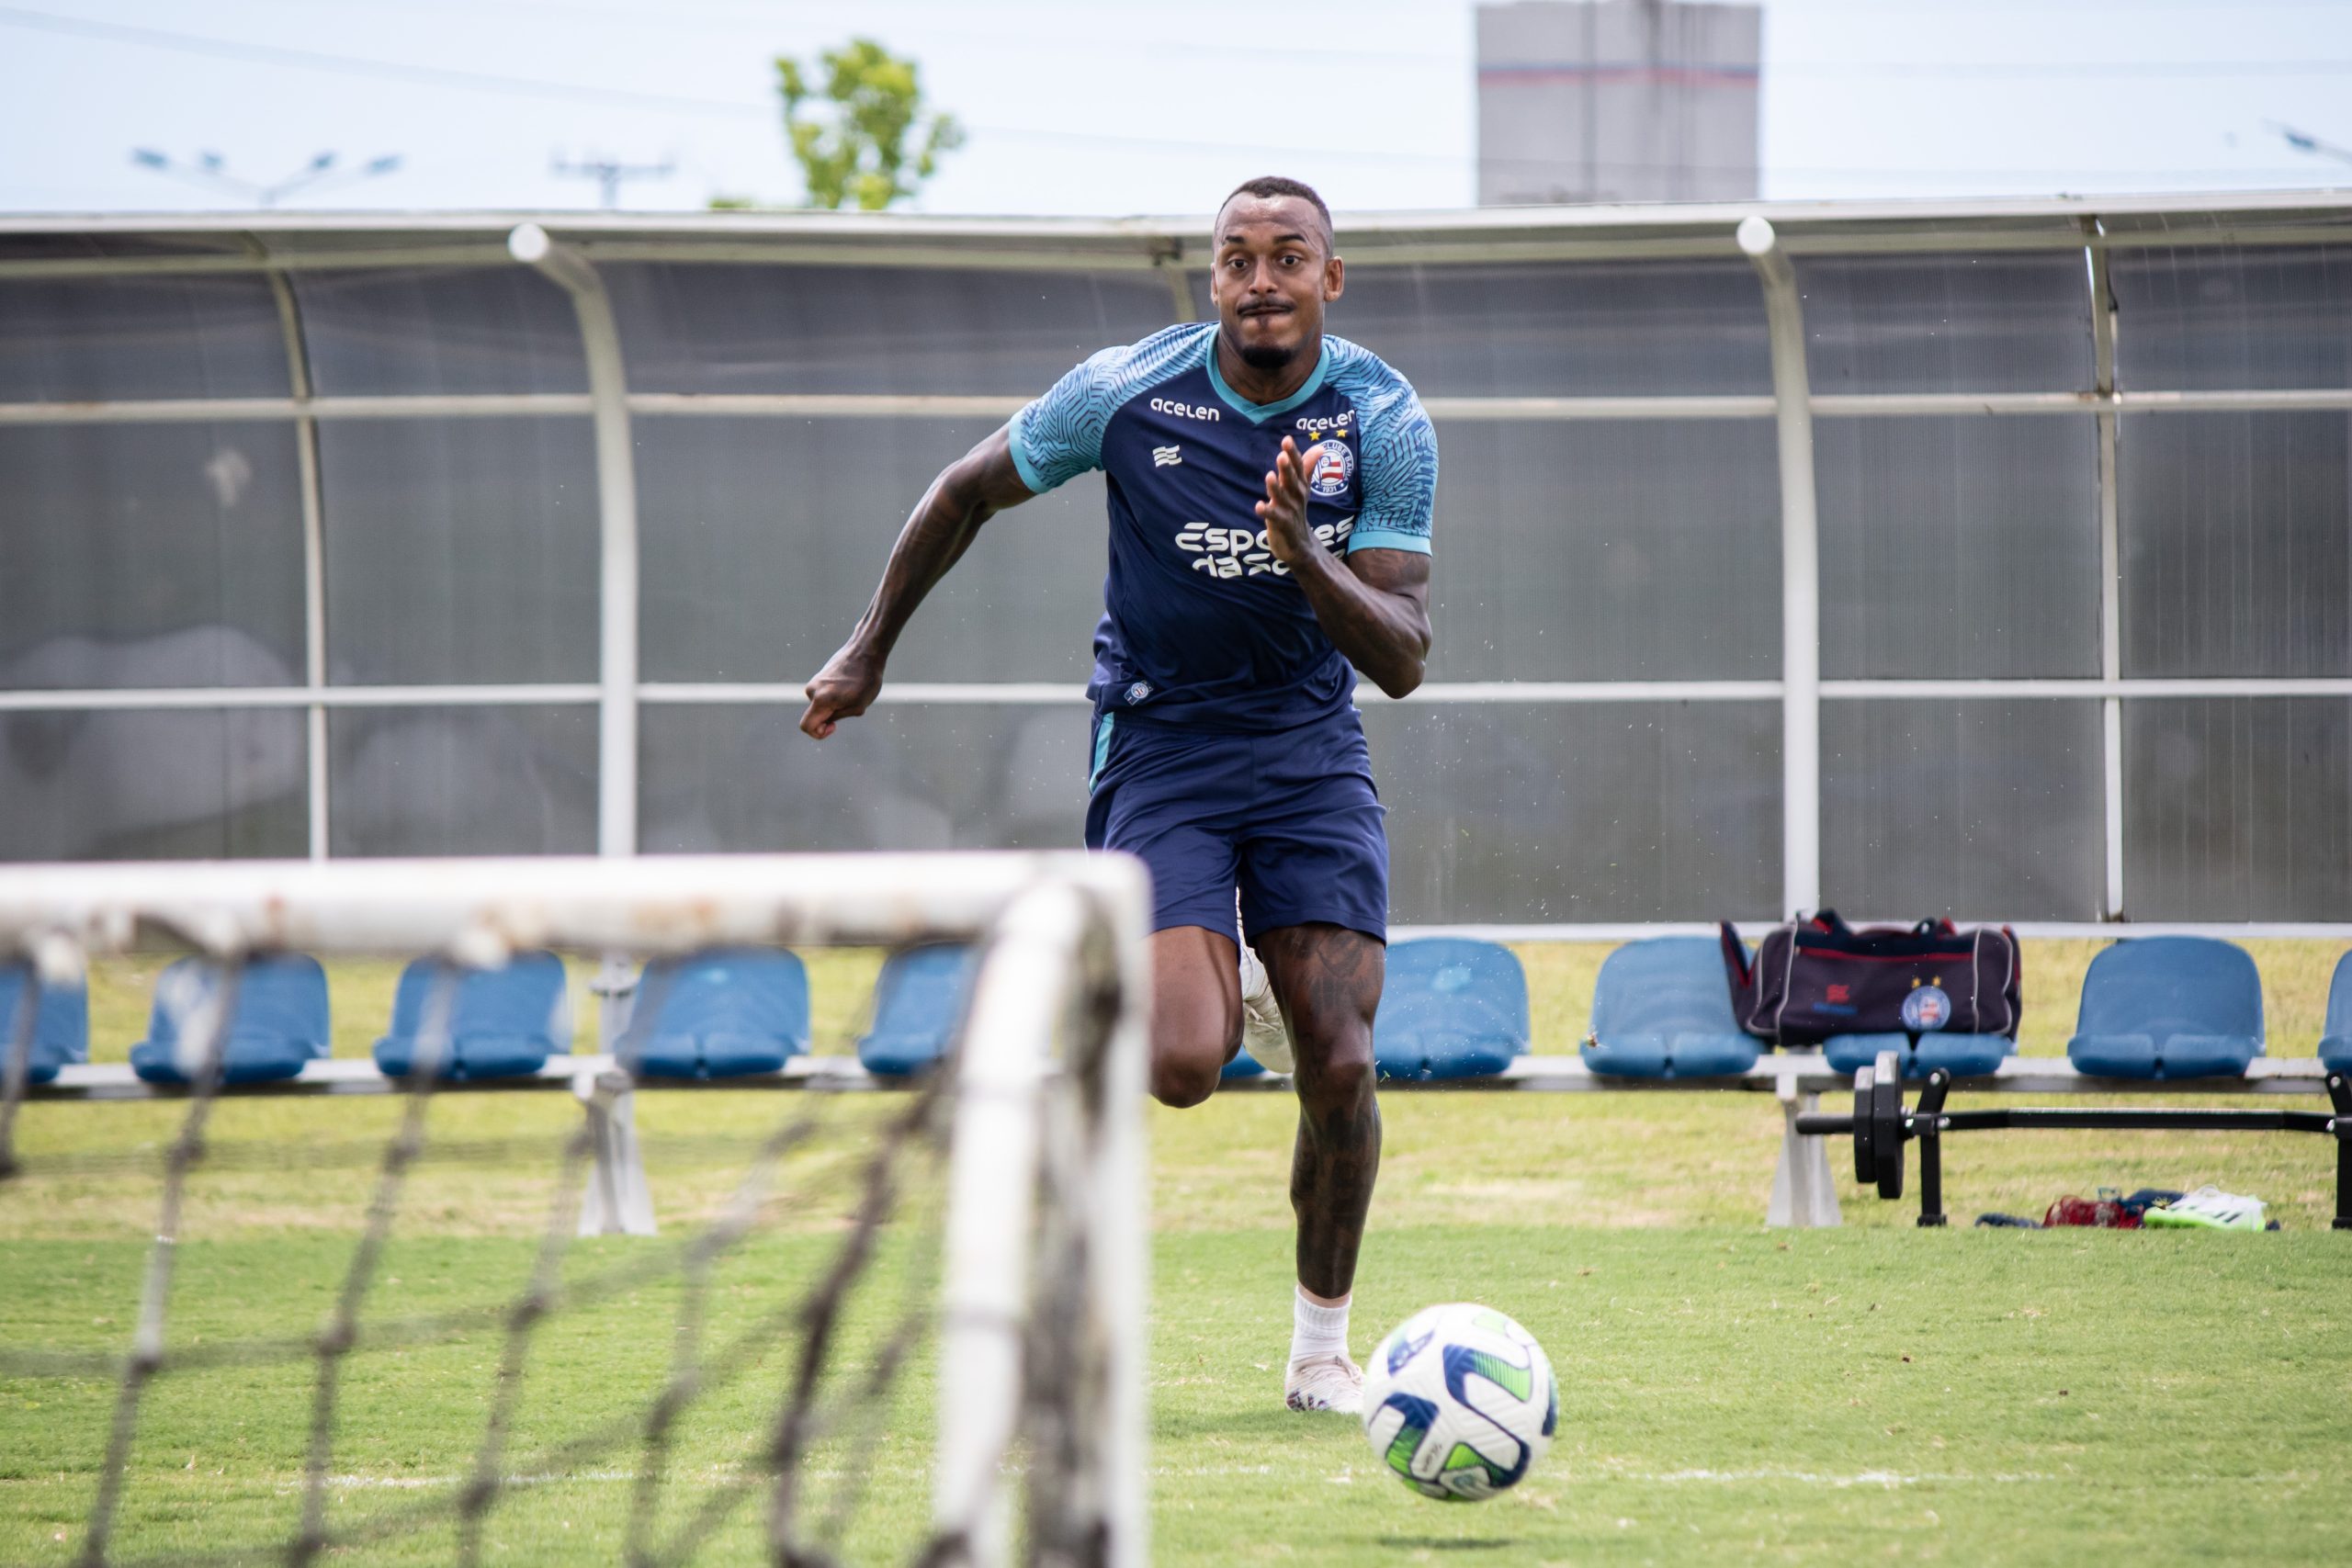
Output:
x,y
895,1326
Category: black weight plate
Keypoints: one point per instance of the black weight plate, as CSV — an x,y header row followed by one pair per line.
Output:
x,y
1886,1135
1865,1163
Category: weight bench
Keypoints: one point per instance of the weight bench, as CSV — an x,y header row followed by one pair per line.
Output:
x,y
1880,1126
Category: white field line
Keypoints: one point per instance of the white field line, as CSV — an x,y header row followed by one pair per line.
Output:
x,y
1887,1479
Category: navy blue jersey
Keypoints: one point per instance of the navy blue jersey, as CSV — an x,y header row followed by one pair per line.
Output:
x,y
1202,626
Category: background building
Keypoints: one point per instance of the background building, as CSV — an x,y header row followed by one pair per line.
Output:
x,y
1617,100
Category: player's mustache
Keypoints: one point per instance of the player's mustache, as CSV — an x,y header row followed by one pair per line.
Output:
x,y
1268,308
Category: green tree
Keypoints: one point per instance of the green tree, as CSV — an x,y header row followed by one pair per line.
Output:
x,y
859,127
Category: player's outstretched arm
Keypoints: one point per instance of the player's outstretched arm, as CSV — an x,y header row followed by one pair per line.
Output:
x,y
967,492
1375,607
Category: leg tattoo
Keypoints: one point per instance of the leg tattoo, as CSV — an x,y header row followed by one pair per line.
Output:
x,y
1328,979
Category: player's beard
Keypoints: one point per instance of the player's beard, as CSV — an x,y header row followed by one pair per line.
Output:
x,y
1264,356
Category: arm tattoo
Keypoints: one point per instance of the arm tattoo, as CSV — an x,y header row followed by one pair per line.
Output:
x,y
1375,608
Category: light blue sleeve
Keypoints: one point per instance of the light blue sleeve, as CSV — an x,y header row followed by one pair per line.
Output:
x,y
1399,473
1059,435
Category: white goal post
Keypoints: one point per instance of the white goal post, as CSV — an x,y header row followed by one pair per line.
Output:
x,y
1047,1096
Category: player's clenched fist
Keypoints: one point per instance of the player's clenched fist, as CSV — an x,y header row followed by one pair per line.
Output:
x,y
844,688
1283,512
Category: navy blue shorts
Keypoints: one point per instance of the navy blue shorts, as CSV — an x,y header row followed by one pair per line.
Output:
x,y
1291,819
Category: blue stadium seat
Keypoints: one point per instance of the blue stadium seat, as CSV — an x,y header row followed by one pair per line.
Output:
x,y
1452,1007
2335,1033
2169,1007
503,1022
917,1002
719,1015
1661,1009
1962,1056
61,1021
280,1021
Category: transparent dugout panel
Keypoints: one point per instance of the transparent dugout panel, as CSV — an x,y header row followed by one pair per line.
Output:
x,y
2236,538
905,776
415,331
762,540
2213,317
461,550
145,784
1948,324
898,330
142,555
1978,809
463,781
2237,808
91,339
1542,813
1624,550
1958,546
1560,330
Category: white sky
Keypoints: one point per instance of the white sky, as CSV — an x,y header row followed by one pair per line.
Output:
x,y
1117,107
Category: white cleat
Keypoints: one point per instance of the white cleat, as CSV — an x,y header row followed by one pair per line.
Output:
x,y
1263,1034
1325,1382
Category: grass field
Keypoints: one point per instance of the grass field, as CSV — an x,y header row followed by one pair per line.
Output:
x,y
1872,1392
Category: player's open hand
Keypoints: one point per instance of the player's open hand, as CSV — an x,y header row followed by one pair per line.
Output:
x,y
844,688
1283,512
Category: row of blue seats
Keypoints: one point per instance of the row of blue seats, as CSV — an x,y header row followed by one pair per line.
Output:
x,y
2163,1007
1453,1009
2152,1008
2166,1007
712,1015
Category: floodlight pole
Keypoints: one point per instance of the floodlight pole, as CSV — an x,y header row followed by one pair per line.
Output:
x,y
617,513
1800,574
211,169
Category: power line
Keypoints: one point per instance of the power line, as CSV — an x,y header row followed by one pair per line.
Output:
x,y
582,93
668,21
360,65
45,22
2146,70
483,80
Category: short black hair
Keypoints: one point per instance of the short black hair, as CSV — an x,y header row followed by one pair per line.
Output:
x,y
1272,186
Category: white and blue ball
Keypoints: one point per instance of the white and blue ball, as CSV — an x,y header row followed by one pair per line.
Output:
x,y
1460,1402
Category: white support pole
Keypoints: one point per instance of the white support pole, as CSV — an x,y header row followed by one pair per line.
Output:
x,y
314,579
620,1201
1803,1194
617,515
1800,575
2110,572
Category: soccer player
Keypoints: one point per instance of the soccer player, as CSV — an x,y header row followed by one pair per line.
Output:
x,y
1270,495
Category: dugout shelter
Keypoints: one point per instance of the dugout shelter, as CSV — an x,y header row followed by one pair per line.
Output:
x,y
1989,558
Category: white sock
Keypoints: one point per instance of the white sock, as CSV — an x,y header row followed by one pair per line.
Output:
x,y
1253,973
1317,1330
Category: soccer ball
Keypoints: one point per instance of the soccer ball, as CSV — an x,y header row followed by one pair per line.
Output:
x,y
1459,1401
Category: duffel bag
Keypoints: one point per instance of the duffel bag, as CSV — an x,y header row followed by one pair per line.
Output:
x,y
1819,976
